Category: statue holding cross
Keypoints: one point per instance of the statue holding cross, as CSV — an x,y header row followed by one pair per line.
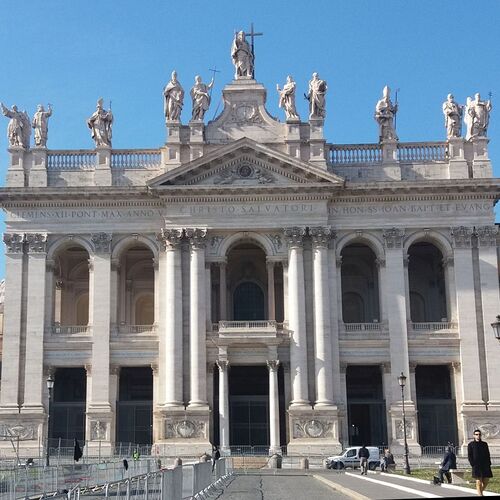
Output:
x,y
243,54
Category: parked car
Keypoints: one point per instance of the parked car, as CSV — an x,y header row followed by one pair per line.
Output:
x,y
349,458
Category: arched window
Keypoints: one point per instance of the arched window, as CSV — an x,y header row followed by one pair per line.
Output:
x,y
353,308
82,309
144,310
248,302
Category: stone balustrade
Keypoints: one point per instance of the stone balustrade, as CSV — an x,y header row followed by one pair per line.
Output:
x,y
69,330
433,326
341,154
422,151
233,326
362,327
71,160
138,158
134,329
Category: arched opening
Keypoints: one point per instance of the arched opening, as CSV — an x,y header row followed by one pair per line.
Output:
x,y
136,305
426,283
248,302
360,287
71,287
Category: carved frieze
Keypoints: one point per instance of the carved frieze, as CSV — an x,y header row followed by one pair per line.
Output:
x,y
170,238
36,242
393,238
400,429
185,428
101,242
314,428
196,236
461,236
487,236
244,172
244,113
321,236
489,430
23,432
13,242
294,236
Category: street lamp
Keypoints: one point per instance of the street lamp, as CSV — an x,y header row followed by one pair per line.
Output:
x,y
496,328
50,387
402,383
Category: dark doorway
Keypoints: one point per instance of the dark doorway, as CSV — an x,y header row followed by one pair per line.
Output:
x,y
135,406
365,406
437,411
67,419
248,301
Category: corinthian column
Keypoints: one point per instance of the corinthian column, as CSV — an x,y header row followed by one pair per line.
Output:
x,y
297,316
322,304
223,405
171,342
198,318
274,414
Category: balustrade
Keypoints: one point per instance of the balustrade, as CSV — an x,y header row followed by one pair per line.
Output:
x,y
433,326
135,159
341,154
134,329
362,327
71,160
70,329
422,151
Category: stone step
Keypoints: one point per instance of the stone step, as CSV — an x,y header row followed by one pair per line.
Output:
x,y
249,462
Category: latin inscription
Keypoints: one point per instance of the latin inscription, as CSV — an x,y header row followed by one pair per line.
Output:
x,y
438,209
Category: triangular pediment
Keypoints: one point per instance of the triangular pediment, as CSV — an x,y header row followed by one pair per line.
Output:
x,y
246,163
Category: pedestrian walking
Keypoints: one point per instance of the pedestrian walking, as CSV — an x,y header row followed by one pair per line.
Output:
x,y
449,462
479,458
215,456
363,455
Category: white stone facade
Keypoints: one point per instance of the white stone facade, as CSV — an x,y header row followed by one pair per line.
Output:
x,y
246,180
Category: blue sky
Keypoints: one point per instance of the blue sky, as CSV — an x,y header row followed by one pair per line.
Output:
x,y
70,53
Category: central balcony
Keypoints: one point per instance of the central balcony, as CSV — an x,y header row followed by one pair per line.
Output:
x,y
268,332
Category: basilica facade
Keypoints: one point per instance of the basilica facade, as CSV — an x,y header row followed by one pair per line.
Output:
x,y
250,284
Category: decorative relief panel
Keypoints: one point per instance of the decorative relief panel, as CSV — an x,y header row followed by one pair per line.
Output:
x,y
13,242
244,172
400,429
313,428
185,428
244,113
98,430
277,241
489,430
101,242
36,242
18,430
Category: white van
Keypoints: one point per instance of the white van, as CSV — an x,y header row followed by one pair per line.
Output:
x,y
349,458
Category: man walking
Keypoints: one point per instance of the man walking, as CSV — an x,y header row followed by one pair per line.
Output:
x,y
479,458
363,455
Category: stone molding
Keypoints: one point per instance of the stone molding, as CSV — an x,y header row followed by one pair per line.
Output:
x,y
393,238
321,236
197,237
294,236
170,238
101,242
36,242
13,242
487,236
462,236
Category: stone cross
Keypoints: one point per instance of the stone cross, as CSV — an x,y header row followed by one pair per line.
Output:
x,y
252,35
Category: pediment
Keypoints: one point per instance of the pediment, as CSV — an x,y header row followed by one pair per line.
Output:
x,y
246,163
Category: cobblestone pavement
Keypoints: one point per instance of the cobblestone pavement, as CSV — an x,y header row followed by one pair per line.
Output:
x,y
265,487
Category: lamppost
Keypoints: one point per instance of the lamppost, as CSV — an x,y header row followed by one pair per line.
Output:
x,y
402,383
50,387
496,328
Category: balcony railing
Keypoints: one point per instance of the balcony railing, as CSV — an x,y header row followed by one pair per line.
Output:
x,y
69,329
362,327
134,329
433,326
247,326
138,158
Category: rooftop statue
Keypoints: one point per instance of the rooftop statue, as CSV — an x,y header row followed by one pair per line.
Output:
x,y
100,123
173,95
287,98
385,113
452,117
242,55
477,117
200,94
40,124
19,129
317,97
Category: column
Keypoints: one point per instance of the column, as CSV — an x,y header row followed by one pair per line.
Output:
x,y
451,292
395,291
297,316
208,294
322,327
271,307
274,411
35,322
198,319
223,405
172,318
490,300
99,319
12,322
222,291
335,314
467,319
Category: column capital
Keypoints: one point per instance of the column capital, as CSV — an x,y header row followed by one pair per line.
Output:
x,y
197,237
114,369
393,238
321,235
13,242
412,366
101,242
154,368
487,236
223,365
36,242
462,236
273,364
170,238
386,367
294,236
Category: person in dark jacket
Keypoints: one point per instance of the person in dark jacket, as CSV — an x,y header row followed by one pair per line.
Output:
x,y
449,462
363,455
479,458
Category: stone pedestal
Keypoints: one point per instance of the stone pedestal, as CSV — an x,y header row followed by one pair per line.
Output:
x,y
390,161
173,143
457,164
102,174
317,143
98,431
28,434
292,137
15,172
38,171
314,431
481,164
396,433
184,433
196,138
